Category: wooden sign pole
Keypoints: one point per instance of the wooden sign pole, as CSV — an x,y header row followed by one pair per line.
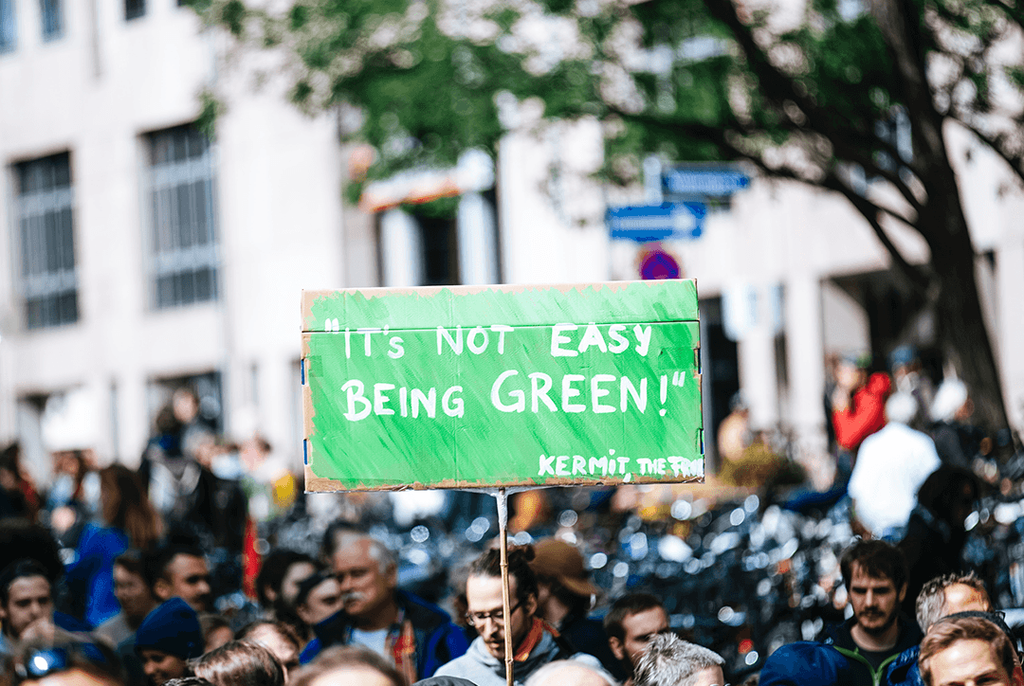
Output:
x,y
502,499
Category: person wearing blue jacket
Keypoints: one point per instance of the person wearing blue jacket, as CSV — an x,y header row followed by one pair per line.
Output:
x,y
806,663
127,520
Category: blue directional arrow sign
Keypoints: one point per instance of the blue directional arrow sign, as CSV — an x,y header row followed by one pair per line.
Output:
x,y
647,223
704,181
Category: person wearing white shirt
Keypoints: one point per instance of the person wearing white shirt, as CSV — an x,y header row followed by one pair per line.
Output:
x,y
891,466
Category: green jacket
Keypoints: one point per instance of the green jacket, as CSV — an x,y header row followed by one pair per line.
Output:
x,y
864,675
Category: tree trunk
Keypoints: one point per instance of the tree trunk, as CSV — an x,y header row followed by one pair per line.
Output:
x,y
962,333
961,325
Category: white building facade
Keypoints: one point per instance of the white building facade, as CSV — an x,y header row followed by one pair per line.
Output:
x,y
139,254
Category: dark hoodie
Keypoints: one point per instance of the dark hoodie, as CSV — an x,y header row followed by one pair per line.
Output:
x,y
862,672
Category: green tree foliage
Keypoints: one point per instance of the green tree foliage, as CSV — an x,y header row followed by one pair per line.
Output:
x,y
818,93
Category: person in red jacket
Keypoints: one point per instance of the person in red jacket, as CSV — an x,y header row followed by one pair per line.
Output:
x,y
858,402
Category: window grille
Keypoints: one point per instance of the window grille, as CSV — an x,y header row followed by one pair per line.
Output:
x,y
48,283
183,242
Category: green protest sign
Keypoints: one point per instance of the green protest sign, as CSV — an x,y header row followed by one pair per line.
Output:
x,y
469,387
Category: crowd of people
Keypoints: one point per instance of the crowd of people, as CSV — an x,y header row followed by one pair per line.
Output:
x,y
342,619
154,576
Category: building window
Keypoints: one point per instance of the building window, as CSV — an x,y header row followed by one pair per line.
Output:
x,y
53,19
133,9
183,242
47,281
8,26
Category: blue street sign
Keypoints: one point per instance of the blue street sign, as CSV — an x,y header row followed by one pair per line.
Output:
x,y
704,181
647,223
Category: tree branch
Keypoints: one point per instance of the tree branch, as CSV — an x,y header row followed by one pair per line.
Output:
x,y
778,86
872,168
917,277
1016,162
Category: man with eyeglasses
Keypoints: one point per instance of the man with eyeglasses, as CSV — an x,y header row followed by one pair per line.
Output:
x,y
414,635
534,642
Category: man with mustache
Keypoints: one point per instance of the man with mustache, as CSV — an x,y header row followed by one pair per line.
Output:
x,y
414,635
875,575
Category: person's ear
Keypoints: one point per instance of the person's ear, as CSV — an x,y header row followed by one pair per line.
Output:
x,y
618,650
162,590
391,577
530,604
902,594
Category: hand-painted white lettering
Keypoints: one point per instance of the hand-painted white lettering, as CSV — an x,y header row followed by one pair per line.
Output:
x,y
558,337
519,397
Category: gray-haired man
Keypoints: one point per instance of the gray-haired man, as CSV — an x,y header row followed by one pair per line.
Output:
x,y
671,661
942,596
415,635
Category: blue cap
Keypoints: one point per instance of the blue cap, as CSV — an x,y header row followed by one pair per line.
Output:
x,y
172,628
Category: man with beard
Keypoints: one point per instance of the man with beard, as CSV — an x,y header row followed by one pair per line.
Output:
x,y
416,636
875,575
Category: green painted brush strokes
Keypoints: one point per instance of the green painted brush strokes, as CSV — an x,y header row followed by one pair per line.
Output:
x,y
360,438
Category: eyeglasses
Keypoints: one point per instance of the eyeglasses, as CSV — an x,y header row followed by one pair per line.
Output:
x,y
51,660
478,619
